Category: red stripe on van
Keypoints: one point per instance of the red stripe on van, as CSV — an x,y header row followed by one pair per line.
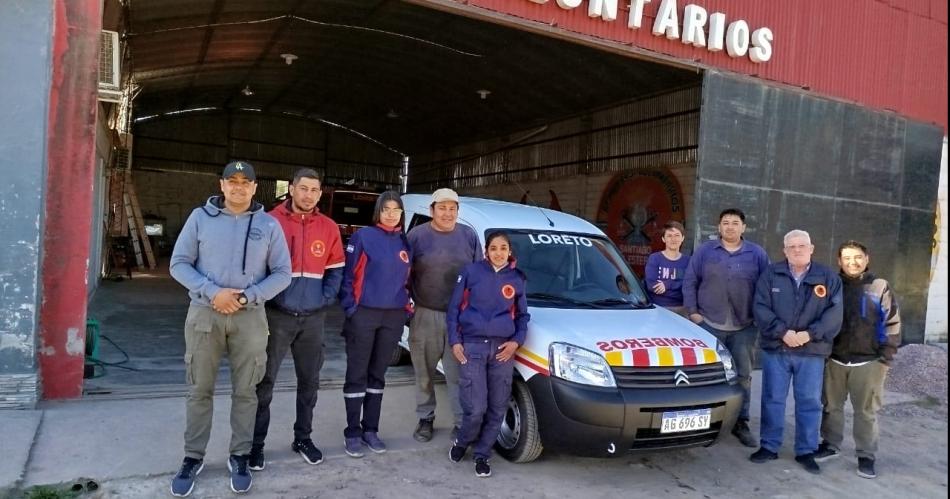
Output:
x,y
689,356
531,365
641,357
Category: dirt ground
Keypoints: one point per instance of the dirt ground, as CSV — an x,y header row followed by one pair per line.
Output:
x,y
912,462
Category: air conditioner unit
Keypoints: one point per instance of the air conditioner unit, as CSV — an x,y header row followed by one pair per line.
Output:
x,y
110,78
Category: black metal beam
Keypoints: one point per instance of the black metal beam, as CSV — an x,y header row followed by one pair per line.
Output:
x,y
213,16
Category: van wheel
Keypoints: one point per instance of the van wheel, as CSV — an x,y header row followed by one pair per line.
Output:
x,y
518,439
396,358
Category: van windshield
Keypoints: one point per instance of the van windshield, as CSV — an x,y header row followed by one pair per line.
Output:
x,y
574,271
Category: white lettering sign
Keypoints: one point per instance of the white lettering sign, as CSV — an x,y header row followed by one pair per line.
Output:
x,y
761,50
717,32
666,22
694,18
636,13
562,239
736,38
605,9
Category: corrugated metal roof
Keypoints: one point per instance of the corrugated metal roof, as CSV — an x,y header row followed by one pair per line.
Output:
x,y
361,61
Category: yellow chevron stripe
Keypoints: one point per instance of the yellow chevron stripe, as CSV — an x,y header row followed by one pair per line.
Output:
x,y
709,356
534,357
664,356
614,358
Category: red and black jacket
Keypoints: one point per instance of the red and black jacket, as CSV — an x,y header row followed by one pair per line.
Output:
x,y
316,260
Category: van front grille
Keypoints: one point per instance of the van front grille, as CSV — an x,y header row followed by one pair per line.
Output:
x,y
666,377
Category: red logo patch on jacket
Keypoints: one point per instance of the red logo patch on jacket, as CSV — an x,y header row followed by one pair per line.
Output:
x,y
404,256
318,248
508,291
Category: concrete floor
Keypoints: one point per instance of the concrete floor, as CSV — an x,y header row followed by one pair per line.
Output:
x,y
144,317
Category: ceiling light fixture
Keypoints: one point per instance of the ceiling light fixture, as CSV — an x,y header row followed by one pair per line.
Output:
x,y
289,58
247,91
483,93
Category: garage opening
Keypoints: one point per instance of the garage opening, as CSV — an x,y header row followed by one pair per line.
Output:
x,y
358,91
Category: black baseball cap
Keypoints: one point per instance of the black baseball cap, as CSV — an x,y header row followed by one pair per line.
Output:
x,y
242,167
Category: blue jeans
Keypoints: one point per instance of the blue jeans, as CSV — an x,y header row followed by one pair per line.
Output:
x,y
741,345
805,373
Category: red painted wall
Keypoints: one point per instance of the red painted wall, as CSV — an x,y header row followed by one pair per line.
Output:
x,y
885,54
68,218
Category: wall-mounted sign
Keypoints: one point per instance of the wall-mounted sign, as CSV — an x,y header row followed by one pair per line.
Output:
x,y
634,208
697,27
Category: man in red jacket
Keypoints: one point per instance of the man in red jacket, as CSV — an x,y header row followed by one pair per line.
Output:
x,y
295,317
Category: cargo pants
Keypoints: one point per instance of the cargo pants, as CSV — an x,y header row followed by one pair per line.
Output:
x,y
210,335
484,389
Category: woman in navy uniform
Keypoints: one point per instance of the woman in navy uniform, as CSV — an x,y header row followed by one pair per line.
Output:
x,y
487,321
375,300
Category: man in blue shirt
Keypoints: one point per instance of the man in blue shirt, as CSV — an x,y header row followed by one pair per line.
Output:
x,y
718,293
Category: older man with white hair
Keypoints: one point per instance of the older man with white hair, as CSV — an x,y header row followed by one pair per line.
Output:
x,y
798,310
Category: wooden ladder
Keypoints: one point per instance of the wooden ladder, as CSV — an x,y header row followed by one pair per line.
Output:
x,y
136,225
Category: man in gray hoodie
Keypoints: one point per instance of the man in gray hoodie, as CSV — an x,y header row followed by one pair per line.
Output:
x,y
232,257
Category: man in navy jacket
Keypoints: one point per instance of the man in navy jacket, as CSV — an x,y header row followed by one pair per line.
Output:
x,y
798,309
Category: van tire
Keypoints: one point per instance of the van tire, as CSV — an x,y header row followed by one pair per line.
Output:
x,y
397,356
520,427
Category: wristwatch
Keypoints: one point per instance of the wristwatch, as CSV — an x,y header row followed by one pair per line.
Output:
x,y
242,299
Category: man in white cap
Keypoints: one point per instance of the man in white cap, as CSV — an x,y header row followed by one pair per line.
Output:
x,y
440,248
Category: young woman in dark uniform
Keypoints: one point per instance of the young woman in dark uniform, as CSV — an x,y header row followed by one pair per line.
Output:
x,y
375,300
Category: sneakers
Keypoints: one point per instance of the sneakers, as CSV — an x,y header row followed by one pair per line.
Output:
x,y
256,458
184,481
825,452
482,469
808,462
423,431
742,432
371,440
353,446
762,455
240,476
866,468
309,452
456,453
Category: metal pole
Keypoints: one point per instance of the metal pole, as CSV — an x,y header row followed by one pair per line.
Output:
x,y
404,176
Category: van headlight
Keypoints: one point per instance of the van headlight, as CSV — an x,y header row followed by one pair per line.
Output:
x,y
728,364
573,363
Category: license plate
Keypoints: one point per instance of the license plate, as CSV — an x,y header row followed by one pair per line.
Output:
x,y
675,422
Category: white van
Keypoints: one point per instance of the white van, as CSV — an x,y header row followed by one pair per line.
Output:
x,y
603,371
